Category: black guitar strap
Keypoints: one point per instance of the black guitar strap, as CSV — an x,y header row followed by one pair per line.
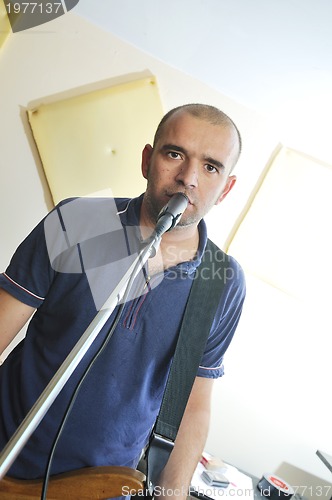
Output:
x,y
201,307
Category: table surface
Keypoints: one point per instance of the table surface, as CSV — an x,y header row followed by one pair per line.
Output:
x,y
256,491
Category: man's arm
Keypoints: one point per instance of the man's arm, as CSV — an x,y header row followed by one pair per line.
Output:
x,y
13,316
189,443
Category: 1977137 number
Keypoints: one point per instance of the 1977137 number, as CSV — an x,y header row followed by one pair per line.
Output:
x,y
314,491
33,7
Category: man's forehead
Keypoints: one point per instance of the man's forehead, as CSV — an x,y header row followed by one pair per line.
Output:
x,y
183,126
181,119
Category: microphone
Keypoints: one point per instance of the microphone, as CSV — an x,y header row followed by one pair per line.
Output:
x,y
170,215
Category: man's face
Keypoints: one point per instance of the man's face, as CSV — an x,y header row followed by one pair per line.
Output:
x,y
194,157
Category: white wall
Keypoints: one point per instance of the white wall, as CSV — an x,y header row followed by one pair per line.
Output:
x,y
272,56
70,53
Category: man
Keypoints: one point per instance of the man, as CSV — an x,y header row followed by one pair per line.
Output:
x,y
194,151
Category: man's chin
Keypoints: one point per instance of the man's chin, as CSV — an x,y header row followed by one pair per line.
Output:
x,y
187,221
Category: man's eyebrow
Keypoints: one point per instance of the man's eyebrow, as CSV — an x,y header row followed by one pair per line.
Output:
x,y
173,147
214,162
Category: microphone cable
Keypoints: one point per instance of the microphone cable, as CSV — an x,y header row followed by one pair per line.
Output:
x,y
72,400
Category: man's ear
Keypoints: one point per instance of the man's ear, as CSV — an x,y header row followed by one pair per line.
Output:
x,y
229,185
146,157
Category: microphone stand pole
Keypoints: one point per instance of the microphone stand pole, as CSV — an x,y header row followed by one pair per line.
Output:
x,y
43,403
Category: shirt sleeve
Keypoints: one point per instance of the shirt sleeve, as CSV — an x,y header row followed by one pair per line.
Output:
x,y
225,322
29,274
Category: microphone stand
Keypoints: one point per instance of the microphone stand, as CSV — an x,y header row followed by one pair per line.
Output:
x,y
52,390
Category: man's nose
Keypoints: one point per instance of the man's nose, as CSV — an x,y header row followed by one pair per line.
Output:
x,y
188,174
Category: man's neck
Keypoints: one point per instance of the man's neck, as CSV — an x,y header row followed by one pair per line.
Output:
x,y
176,246
174,250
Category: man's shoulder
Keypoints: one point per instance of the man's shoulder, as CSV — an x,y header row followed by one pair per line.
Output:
x,y
92,200
86,202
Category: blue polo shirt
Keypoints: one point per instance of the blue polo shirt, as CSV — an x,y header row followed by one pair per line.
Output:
x,y
66,268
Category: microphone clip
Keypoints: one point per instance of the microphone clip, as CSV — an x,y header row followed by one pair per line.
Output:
x,y
171,213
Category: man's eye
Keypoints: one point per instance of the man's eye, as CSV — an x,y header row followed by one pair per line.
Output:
x,y
211,168
174,155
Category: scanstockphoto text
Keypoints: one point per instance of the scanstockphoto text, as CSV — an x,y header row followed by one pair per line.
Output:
x,y
317,491
161,491
208,273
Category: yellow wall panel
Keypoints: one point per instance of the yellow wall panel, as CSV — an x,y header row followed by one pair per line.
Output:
x,y
5,28
93,142
284,238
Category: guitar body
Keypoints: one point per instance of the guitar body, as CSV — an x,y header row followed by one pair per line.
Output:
x,y
84,484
